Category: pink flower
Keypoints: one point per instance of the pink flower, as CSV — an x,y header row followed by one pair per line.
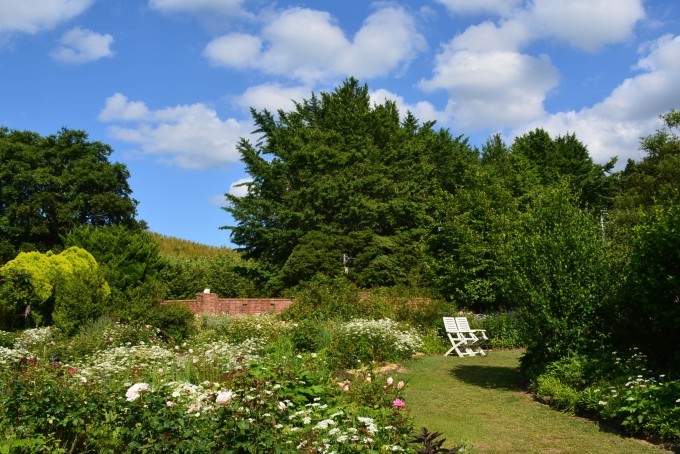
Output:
x,y
400,385
72,370
345,388
398,403
169,404
390,380
282,406
223,397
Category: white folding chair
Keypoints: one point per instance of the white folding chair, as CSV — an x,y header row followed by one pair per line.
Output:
x,y
461,342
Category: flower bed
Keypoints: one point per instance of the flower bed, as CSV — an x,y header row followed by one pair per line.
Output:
x,y
201,396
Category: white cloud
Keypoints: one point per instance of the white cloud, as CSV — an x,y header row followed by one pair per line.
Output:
x,y
422,110
38,15
493,89
118,108
498,7
189,136
234,49
239,188
614,126
493,82
227,7
585,24
509,36
272,97
307,45
81,46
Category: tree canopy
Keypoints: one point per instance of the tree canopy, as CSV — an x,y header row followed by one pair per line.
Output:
x,y
341,185
51,184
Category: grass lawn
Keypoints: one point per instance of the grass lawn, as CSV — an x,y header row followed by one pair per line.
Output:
x,y
475,401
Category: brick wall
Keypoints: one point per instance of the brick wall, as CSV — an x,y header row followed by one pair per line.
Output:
x,y
210,303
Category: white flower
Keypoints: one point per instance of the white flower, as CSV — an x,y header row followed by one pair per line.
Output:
x,y
390,381
282,406
134,391
83,379
223,397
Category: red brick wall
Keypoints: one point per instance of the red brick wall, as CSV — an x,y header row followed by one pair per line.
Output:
x,y
209,303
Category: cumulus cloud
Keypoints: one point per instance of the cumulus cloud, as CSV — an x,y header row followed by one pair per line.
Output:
x,y
119,108
189,136
272,97
493,82
614,126
585,24
38,15
81,46
307,45
492,89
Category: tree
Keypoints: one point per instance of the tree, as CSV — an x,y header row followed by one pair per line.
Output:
x,y
128,257
67,288
650,183
49,185
566,158
336,170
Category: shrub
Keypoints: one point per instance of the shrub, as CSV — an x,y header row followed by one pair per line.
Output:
x,y
7,339
504,330
364,342
265,327
559,277
324,299
174,320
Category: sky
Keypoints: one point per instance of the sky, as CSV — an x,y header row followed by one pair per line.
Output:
x,y
169,83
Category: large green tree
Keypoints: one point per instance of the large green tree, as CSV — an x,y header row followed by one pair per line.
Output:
x,y
566,158
339,177
51,184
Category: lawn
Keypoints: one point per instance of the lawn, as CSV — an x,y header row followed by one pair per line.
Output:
x,y
475,401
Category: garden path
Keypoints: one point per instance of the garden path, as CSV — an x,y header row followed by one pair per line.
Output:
x,y
475,401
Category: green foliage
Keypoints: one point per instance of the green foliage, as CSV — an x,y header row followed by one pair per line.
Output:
x,y
340,183
174,320
67,287
566,158
323,299
227,275
51,184
78,298
649,298
504,330
616,387
558,277
127,257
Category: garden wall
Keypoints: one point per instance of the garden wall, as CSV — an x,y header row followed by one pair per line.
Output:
x,y
210,303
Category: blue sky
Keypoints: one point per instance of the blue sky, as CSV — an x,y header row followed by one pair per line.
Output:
x,y
169,83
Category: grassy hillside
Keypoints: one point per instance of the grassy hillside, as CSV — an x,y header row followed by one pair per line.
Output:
x,y
177,247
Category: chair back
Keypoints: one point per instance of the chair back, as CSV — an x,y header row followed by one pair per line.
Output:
x,y
463,323
450,325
